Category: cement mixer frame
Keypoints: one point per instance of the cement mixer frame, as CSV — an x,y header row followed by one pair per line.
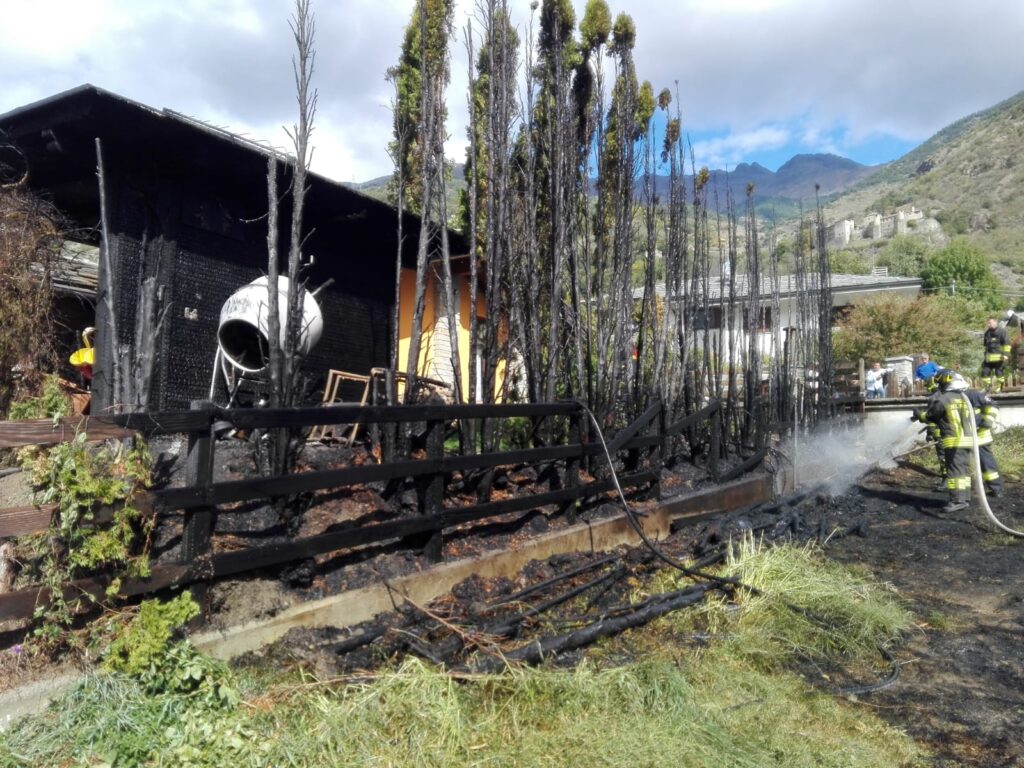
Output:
x,y
243,333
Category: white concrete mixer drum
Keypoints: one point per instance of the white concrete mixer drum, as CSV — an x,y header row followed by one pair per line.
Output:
x,y
244,324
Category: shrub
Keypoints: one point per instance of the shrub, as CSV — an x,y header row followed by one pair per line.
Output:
x,y
904,256
143,649
79,478
961,268
52,402
896,325
30,239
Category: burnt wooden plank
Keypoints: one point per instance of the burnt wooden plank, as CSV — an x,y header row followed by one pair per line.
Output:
x,y
18,521
268,487
17,434
229,491
693,419
624,435
745,466
699,505
430,489
230,563
348,413
22,604
195,537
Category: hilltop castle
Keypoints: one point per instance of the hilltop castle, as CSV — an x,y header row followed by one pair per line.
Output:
x,y
875,226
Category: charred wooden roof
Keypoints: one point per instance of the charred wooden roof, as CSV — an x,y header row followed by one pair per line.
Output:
x,y
56,142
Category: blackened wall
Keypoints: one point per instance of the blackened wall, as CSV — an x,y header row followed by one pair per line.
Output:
x,y
203,242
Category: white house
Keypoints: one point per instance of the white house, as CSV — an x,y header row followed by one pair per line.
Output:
x,y
795,300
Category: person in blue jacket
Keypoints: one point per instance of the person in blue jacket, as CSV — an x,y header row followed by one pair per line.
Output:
x,y
926,370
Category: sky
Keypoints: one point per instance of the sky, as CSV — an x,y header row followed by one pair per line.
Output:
x,y
757,80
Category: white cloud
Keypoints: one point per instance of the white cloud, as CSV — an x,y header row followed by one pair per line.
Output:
x,y
737,147
831,73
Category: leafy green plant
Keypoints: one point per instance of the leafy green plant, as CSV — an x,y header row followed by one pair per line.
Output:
x,y
143,649
51,402
894,325
79,478
849,262
904,255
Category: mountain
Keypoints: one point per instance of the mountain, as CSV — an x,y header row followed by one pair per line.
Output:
x,y
779,191
378,187
969,175
795,180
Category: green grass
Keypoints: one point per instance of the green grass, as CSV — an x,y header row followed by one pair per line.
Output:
x,y
1008,447
730,704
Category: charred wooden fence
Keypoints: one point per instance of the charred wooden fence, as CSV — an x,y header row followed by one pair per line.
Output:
x,y
647,443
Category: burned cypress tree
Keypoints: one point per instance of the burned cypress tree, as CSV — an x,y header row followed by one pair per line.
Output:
x,y
614,226
485,199
644,385
284,349
419,119
587,99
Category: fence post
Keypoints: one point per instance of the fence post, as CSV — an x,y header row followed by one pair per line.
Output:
x,y
573,463
716,442
432,490
198,528
657,454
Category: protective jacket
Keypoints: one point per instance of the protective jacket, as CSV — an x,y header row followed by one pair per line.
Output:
x,y
997,345
948,413
985,414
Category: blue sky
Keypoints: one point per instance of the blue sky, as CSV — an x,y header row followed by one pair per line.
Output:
x,y
759,80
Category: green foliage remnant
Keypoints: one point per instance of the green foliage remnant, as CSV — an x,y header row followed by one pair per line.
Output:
x,y
145,649
904,256
51,403
79,479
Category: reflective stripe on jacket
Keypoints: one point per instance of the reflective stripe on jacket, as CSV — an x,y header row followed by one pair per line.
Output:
x,y
949,412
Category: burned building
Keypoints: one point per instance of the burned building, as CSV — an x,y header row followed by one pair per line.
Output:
x,y
186,204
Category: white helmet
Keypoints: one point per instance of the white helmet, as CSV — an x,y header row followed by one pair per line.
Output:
x,y
958,384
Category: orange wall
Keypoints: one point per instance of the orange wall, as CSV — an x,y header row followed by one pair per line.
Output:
x,y
426,356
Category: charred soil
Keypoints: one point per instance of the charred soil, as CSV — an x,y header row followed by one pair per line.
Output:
x,y
961,691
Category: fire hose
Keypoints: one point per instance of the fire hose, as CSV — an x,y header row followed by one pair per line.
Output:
x,y
976,471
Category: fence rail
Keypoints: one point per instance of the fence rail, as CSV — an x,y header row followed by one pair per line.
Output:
x,y
200,499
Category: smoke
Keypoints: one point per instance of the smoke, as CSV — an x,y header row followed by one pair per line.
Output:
x,y
840,454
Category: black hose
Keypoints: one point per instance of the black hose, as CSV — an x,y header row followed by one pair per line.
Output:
x,y
888,681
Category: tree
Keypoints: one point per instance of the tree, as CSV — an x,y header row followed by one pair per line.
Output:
x,y
905,255
424,47
885,326
418,150
282,356
961,269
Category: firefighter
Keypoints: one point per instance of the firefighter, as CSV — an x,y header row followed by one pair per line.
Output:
x,y
997,353
933,433
985,415
948,411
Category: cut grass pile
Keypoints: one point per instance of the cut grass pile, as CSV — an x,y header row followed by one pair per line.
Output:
x,y
729,704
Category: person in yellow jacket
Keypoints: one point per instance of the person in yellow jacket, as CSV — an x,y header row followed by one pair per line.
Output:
x,y
997,352
951,414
